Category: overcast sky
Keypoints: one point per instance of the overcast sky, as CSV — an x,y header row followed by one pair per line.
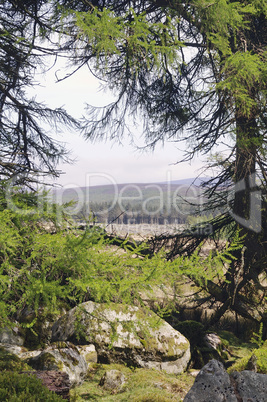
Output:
x,y
105,162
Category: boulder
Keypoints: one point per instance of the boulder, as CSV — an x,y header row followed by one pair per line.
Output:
x,y
125,334
20,351
249,386
213,384
64,357
88,352
11,336
213,341
113,380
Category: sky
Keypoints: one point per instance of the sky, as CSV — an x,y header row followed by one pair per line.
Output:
x,y
105,162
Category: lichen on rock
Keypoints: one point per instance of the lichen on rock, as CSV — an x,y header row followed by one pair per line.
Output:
x,y
125,334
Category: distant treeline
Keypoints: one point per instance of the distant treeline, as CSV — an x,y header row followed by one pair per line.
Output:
x,y
106,212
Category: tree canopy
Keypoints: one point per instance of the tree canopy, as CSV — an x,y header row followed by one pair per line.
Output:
x,y
196,72
28,150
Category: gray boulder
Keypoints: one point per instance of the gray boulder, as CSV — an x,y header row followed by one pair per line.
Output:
x,y
11,336
64,357
250,386
213,384
113,380
88,352
125,334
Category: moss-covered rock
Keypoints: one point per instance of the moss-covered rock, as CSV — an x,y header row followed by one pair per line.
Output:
x,y
62,356
127,334
9,361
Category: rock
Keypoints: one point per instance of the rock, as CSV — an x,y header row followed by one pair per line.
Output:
x,y
63,357
20,351
38,333
113,380
252,363
213,341
88,352
54,380
137,335
250,386
11,336
213,384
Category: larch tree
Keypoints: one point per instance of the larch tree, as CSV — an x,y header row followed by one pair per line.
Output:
x,y
28,151
194,71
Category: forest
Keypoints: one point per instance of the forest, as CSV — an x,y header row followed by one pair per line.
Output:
x,y
193,72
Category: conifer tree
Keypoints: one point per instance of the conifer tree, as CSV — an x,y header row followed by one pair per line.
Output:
x,y
27,150
196,72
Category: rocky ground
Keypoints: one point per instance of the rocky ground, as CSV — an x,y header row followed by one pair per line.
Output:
x,y
111,352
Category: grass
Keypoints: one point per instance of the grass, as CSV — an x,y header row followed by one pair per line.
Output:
x,y
142,385
236,347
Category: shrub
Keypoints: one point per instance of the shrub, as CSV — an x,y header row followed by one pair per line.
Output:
x,y
11,362
15,387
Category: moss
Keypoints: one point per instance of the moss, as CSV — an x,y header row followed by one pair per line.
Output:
x,y
192,330
172,347
142,385
90,357
9,361
46,361
260,361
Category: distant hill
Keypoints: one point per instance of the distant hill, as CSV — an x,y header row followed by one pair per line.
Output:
x,y
131,192
197,181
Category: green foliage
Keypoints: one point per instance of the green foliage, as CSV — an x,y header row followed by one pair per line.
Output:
x,y
259,356
243,71
258,337
16,387
49,266
141,385
58,266
147,44
212,267
11,362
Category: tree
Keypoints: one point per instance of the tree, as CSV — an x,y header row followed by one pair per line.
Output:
x,y
27,148
196,72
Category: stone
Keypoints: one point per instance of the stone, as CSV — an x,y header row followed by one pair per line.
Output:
x,y
113,380
252,363
212,341
54,380
88,352
11,336
250,386
213,384
20,351
125,334
61,356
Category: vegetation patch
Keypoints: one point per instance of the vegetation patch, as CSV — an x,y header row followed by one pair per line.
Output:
x,y
11,362
17,387
142,385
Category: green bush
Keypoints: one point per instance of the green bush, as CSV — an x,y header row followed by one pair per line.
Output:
x,y
192,330
11,362
46,264
15,387
260,358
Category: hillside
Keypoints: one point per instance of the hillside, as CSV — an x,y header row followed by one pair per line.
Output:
x,y
131,192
